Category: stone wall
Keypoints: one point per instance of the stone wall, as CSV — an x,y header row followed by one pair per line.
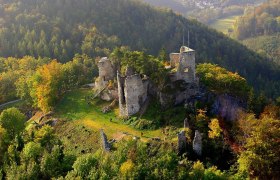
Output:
x,y
135,93
106,70
122,100
106,73
186,67
174,59
184,63
132,92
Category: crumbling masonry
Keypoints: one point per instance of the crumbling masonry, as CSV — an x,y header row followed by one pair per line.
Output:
x,y
184,65
132,92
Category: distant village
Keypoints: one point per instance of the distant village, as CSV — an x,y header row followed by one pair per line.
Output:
x,y
201,4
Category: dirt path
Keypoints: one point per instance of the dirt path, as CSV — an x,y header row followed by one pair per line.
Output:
x,y
8,103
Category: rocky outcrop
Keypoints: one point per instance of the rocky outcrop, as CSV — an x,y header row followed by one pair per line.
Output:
x,y
186,123
182,143
227,107
197,143
106,145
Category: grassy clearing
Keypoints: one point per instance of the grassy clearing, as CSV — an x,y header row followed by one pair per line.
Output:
x,y
224,24
81,123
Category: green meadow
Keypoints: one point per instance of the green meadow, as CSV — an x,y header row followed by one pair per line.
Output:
x,y
80,123
224,24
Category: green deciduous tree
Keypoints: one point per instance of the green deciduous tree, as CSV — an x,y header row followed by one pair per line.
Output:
x,y
84,164
219,80
12,120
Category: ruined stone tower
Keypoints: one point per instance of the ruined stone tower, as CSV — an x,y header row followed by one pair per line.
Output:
x,y
107,73
106,70
183,64
132,91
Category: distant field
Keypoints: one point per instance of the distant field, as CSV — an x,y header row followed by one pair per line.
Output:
x,y
224,24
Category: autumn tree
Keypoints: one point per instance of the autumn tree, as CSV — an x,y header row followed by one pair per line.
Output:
x,y
46,85
215,129
261,155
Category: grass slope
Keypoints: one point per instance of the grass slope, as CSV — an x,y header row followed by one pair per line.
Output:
x,y
80,123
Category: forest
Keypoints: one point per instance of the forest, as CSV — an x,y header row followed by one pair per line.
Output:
x,y
59,30
262,20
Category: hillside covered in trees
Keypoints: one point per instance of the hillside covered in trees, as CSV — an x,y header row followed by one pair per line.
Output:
x,y
259,29
60,29
267,45
262,20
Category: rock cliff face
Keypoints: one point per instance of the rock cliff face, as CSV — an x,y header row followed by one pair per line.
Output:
x,y
178,95
226,106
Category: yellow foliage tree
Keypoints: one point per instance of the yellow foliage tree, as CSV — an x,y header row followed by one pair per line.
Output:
x,y
126,168
47,85
215,129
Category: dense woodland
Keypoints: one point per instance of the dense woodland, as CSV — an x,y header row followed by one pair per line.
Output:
x,y
262,20
259,29
59,29
50,48
266,46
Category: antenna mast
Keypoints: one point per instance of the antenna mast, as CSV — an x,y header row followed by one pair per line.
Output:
x,y
188,38
183,36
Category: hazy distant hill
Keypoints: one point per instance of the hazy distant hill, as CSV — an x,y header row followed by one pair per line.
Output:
x,y
184,5
61,28
172,4
206,11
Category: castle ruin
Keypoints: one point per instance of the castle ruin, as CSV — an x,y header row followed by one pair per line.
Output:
x,y
184,83
106,74
183,64
131,89
106,69
132,92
